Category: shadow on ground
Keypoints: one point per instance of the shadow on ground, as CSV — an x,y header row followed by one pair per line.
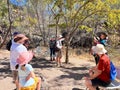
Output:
x,y
77,73
42,63
5,68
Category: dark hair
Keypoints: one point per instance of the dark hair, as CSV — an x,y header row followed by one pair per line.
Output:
x,y
17,66
17,39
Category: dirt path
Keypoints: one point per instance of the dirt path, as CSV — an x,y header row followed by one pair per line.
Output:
x,y
68,77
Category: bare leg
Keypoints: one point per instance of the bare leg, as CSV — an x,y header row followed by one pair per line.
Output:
x,y
38,84
17,84
60,61
88,83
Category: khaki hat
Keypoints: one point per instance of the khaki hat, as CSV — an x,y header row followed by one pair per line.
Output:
x,y
99,49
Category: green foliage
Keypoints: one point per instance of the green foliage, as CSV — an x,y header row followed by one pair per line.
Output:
x,y
83,27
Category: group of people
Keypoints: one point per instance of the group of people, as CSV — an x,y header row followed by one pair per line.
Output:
x,y
100,74
20,56
23,73
56,46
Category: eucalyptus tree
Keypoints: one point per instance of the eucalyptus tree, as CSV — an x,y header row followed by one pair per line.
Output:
x,y
74,14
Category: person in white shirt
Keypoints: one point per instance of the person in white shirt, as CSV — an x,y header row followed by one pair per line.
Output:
x,y
59,48
16,48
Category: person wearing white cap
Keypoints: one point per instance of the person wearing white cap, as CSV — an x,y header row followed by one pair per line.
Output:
x,y
100,74
59,47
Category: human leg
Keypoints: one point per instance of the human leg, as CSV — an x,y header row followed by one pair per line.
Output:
x,y
15,75
15,78
88,84
51,54
54,54
58,58
94,83
38,83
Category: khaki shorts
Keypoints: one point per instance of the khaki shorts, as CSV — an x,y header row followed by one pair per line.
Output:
x,y
59,54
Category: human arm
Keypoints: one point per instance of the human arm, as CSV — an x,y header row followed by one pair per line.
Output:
x,y
32,74
94,73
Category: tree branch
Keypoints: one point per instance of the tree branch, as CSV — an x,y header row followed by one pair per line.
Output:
x,y
10,24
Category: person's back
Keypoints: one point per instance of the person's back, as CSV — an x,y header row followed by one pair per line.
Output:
x,y
104,66
16,48
52,43
23,75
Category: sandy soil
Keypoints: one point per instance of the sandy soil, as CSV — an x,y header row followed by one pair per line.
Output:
x,y
68,77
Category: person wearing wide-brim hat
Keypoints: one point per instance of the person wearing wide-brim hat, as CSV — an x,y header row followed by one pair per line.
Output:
x,y
16,47
100,74
26,75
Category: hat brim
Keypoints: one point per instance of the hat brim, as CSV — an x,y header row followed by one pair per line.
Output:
x,y
24,57
96,50
22,36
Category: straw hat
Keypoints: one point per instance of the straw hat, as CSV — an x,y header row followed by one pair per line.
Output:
x,y
25,57
99,49
20,38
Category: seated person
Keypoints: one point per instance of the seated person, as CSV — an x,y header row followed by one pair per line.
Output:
x,y
100,74
27,78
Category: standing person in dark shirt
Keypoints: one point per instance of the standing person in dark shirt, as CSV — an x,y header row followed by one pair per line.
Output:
x,y
52,44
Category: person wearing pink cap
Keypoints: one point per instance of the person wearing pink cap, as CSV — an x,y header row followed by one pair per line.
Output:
x,y
27,79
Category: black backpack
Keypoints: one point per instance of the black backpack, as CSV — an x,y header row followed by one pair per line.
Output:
x,y
8,45
52,43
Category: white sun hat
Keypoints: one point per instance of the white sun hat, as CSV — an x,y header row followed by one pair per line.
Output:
x,y
99,49
60,36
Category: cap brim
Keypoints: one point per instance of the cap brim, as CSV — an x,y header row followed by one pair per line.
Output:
x,y
25,57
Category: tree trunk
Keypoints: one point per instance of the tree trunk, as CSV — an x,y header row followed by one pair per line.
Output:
x,y
10,24
67,56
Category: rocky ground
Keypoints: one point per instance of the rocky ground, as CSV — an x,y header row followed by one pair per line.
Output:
x,y
68,77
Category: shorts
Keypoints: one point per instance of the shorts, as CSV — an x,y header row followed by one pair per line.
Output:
x,y
98,82
32,87
59,54
15,75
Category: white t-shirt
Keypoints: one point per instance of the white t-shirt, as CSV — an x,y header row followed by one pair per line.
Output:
x,y
23,74
15,50
59,43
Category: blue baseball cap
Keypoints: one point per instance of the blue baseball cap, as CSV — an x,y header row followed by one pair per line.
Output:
x,y
16,33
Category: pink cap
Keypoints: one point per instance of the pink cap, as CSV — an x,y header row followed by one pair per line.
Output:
x,y
25,57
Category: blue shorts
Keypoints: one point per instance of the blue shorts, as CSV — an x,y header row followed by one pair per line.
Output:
x,y
98,82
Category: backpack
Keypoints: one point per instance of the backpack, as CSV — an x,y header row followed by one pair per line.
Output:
x,y
8,45
113,71
52,43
